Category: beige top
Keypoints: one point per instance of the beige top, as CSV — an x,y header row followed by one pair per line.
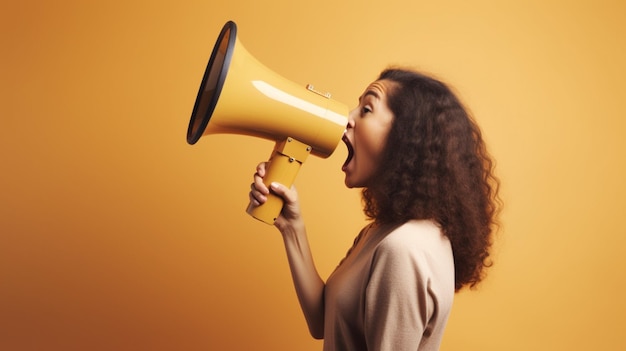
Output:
x,y
392,292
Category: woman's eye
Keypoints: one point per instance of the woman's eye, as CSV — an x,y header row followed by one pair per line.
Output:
x,y
366,110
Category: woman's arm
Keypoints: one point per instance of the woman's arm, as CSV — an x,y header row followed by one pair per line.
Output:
x,y
307,281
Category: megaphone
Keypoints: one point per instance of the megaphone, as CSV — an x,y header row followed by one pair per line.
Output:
x,y
239,95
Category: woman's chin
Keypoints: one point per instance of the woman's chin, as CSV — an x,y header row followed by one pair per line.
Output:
x,y
351,183
351,176
347,181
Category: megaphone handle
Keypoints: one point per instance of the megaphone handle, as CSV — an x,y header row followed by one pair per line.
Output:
x,y
284,164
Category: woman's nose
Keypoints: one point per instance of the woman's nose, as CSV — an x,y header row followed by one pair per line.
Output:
x,y
351,118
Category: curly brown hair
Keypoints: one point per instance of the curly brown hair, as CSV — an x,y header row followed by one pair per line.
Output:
x,y
435,165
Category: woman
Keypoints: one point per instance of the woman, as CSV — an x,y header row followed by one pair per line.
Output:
x,y
429,189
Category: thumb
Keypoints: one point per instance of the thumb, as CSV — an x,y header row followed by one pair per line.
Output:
x,y
289,195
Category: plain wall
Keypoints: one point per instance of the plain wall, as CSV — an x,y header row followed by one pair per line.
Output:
x,y
115,234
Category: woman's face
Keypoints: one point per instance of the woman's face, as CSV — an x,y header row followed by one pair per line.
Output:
x,y
366,134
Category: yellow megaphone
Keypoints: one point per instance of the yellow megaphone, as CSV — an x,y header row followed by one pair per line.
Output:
x,y
239,95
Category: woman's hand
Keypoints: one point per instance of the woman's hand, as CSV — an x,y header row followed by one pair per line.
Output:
x,y
290,215
309,286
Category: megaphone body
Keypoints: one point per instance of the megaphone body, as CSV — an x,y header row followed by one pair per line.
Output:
x,y
239,95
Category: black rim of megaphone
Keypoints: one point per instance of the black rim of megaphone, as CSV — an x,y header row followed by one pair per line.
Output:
x,y
231,28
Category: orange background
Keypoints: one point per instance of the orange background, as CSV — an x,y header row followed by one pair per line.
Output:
x,y
117,235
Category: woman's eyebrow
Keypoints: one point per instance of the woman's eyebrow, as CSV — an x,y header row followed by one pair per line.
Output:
x,y
371,93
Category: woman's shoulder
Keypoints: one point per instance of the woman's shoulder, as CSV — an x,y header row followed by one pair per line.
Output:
x,y
418,245
421,239
419,232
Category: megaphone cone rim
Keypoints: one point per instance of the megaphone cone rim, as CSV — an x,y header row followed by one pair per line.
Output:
x,y
193,136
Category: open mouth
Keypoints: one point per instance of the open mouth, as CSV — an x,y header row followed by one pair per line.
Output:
x,y
350,151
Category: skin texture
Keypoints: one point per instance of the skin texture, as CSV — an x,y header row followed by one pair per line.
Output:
x,y
307,281
366,134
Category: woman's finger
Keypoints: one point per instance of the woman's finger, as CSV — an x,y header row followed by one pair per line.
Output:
x,y
257,196
260,169
258,184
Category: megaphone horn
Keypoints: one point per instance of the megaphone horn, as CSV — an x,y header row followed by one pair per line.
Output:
x,y
239,95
